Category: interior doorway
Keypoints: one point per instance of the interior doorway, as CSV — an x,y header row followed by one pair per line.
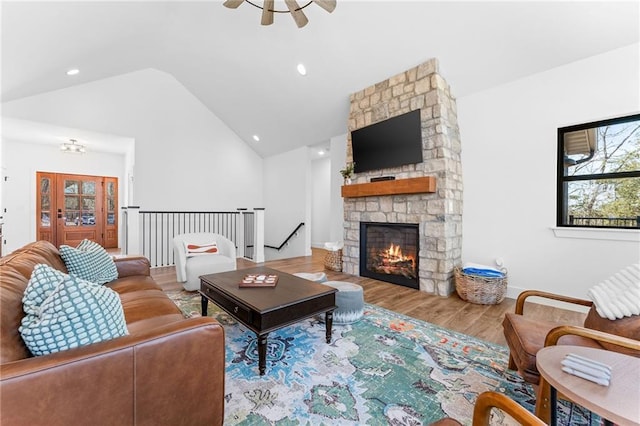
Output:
x,y
72,207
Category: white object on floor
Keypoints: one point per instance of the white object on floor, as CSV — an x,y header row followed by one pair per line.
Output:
x,y
334,246
318,277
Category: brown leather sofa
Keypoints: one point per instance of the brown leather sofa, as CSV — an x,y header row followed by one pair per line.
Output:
x,y
168,371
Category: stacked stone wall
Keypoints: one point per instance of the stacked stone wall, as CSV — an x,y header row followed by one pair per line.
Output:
x,y
438,214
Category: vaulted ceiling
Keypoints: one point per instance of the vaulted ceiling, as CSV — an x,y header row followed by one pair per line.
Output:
x,y
245,73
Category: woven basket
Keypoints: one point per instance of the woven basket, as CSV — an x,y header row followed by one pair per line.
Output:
x,y
333,260
480,290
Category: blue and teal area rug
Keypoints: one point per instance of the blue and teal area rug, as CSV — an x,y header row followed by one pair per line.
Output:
x,y
386,369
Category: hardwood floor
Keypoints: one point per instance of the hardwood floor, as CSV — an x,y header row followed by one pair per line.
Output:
x,y
481,321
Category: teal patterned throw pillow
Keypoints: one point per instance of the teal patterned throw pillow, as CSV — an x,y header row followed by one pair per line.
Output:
x,y
64,312
89,261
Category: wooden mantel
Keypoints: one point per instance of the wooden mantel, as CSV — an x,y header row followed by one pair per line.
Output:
x,y
390,187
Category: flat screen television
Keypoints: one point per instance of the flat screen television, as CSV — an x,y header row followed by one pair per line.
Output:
x,y
394,142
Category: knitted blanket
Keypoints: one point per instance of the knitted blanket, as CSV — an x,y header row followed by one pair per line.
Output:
x,y
619,295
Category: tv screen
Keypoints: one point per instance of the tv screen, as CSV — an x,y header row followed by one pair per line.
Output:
x,y
389,143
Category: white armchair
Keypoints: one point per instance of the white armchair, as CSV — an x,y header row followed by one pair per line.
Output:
x,y
189,269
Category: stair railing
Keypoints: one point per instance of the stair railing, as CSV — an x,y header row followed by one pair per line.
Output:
x,y
151,233
286,241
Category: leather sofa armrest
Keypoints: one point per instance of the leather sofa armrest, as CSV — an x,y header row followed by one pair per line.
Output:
x,y
531,293
132,265
135,379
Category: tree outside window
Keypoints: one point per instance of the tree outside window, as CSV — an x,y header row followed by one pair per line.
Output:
x,y
599,174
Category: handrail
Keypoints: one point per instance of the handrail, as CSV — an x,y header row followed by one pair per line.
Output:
x,y
288,238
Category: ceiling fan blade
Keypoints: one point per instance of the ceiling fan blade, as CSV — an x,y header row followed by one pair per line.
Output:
x,y
267,12
328,5
296,12
232,4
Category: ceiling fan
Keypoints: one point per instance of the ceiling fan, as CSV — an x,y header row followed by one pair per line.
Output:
x,y
293,7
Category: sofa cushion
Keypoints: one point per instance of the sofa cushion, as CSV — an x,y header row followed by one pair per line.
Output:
x,y
64,312
144,304
133,283
89,261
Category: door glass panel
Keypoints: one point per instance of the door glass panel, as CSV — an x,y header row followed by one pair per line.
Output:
x,y
72,218
44,185
71,186
111,205
88,219
45,202
110,189
71,202
44,219
89,188
111,218
88,203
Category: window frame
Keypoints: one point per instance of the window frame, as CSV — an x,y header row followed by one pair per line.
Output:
x,y
561,189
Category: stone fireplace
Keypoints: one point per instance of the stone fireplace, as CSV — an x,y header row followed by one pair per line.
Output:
x,y
436,212
389,252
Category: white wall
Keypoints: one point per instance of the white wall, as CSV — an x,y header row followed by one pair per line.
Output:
x,y
21,161
320,201
287,194
509,145
338,161
185,157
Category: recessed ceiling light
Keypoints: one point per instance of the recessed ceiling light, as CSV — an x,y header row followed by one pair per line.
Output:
x,y
302,69
73,71
321,152
256,138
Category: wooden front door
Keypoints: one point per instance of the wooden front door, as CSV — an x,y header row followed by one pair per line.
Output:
x,y
71,208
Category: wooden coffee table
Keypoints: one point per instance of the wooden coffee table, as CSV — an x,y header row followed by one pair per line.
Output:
x,y
263,310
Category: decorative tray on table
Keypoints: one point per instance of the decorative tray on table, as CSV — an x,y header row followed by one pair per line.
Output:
x,y
259,280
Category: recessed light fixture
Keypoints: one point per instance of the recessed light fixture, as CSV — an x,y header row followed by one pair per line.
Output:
x,y
256,138
73,71
302,70
321,152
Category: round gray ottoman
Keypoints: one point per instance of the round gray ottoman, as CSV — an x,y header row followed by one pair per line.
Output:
x,y
349,302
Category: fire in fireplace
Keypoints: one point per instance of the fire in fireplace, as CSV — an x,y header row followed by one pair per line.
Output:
x,y
389,252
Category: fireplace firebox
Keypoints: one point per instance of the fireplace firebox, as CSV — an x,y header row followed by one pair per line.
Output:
x,y
389,252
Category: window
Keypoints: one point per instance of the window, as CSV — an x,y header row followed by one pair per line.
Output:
x,y
599,174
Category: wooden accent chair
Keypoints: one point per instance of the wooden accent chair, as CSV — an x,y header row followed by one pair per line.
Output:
x,y
525,337
482,411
